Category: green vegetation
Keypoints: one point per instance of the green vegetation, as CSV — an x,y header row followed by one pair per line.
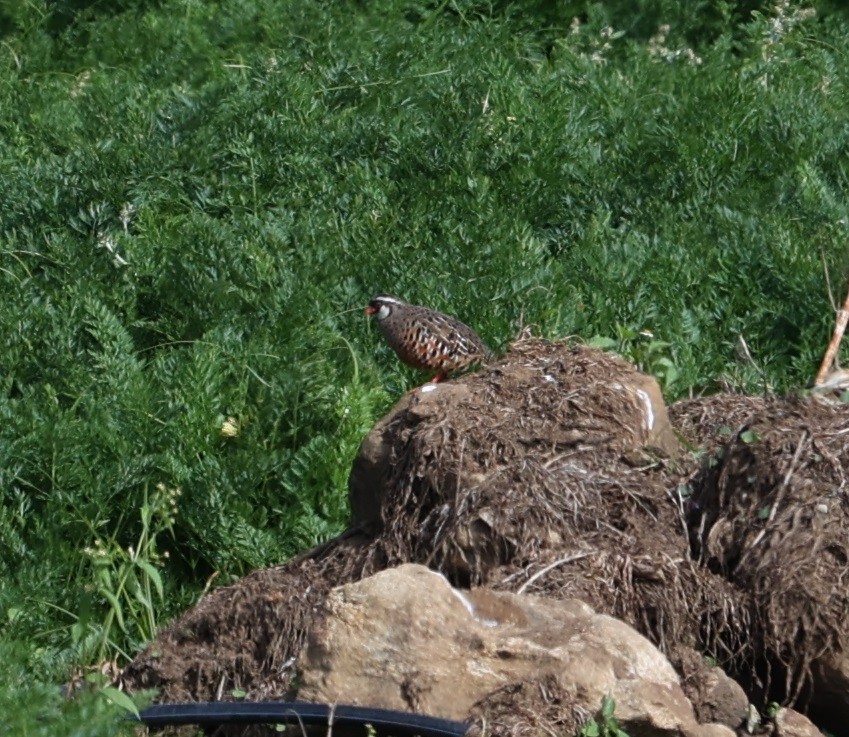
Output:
x,y
606,725
198,198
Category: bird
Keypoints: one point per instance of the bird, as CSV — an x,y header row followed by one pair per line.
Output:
x,y
426,339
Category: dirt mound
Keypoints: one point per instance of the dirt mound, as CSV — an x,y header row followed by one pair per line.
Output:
x,y
548,472
545,475
555,471
770,514
246,637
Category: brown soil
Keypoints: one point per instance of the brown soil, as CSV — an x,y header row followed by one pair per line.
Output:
x,y
537,474
245,637
770,514
528,709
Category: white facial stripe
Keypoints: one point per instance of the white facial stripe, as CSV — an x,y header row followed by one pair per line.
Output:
x,y
390,300
383,312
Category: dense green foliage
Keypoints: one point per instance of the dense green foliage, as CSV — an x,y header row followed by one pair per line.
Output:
x,y
198,198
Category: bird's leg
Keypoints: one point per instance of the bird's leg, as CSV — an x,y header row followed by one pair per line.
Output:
x,y
441,376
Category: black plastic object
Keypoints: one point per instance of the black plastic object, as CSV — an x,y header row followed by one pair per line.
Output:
x,y
346,720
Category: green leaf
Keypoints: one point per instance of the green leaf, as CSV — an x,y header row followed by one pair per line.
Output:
x,y
153,573
142,598
131,580
120,699
764,512
749,436
116,608
591,729
78,632
602,343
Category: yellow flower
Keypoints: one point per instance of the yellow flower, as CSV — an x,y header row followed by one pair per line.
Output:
x,y
230,428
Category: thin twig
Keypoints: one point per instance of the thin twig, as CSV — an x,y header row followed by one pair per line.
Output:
x,y
543,571
787,476
300,723
778,497
614,530
330,716
679,507
827,280
358,85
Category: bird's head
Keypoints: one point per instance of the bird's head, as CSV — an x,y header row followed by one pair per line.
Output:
x,y
382,306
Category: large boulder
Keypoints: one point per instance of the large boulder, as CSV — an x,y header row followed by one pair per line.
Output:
x,y
405,639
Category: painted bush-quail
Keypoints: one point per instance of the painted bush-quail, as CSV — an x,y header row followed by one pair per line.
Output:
x,y
427,339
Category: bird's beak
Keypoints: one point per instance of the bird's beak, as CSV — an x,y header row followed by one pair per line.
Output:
x,y
369,310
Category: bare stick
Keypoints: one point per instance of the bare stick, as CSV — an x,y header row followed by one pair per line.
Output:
x,y
330,717
679,507
567,559
831,352
780,495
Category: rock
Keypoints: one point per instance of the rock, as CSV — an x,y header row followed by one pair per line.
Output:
x,y
404,639
715,696
723,699
713,730
644,391
373,463
790,723
547,473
